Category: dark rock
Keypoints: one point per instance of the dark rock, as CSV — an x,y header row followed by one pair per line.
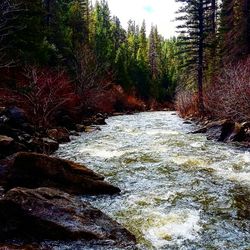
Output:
x,y
87,122
74,133
3,119
100,121
36,170
5,141
117,113
46,213
43,145
90,129
20,247
80,128
51,144
1,192
8,146
2,109
4,170
214,130
187,122
16,116
59,134
63,119
199,131
241,132
226,131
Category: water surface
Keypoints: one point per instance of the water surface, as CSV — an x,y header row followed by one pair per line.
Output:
x,y
179,190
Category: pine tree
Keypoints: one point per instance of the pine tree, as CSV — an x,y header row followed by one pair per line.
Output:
x,y
194,31
8,26
153,53
102,38
235,30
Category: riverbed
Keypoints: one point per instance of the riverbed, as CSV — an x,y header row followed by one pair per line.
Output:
x,y
179,190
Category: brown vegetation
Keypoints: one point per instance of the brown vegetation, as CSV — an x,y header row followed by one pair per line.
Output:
x,y
228,97
41,92
187,103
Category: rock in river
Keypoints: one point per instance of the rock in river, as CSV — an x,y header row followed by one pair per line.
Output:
x,y
33,170
45,213
59,134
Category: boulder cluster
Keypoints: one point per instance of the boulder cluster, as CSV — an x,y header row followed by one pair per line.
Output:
x,y
42,198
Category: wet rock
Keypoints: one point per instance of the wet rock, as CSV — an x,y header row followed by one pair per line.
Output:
x,y
118,113
59,134
187,122
36,170
98,119
80,128
20,247
46,213
42,145
87,129
74,133
5,141
226,131
90,129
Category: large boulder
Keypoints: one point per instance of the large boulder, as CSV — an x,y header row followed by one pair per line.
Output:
x,y
44,213
226,131
37,170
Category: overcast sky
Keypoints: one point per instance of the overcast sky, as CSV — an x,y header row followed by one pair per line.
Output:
x,y
158,12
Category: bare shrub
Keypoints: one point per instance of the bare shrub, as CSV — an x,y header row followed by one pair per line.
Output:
x,y
229,96
41,93
186,103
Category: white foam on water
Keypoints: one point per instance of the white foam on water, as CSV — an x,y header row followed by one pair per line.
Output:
x,y
237,170
174,228
197,144
150,198
241,177
246,157
102,152
192,161
161,131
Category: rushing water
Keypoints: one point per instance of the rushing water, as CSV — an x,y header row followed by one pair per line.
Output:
x,y
179,191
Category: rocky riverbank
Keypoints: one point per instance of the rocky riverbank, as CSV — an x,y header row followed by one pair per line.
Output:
x,y
40,204
17,134
225,131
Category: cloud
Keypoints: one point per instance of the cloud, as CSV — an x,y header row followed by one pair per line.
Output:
x,y
157,12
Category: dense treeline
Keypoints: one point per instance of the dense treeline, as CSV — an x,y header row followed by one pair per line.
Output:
x,y
214,41
46,44
91,50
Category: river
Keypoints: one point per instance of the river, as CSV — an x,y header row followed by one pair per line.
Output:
x,y
179,190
